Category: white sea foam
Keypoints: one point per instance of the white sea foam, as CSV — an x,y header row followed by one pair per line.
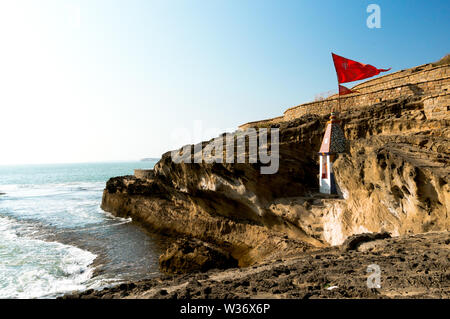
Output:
x,y
32,268
121,219
59,204
62,203
51,189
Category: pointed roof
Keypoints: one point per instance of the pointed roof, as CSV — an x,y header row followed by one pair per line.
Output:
x,y
333,139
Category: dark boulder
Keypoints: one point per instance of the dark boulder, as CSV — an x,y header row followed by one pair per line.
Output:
x,y
190,255
352,242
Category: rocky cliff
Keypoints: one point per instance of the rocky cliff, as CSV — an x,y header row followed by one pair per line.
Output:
x,y
394,178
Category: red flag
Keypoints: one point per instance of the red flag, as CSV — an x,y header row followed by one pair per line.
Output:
x,y
349,70
343,90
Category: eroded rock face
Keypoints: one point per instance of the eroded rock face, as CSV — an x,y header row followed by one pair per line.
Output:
x,y
397,180
163,209
394,178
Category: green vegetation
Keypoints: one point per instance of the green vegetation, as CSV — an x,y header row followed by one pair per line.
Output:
x,y
444,60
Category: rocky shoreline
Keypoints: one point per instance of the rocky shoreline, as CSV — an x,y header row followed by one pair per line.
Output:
x,y
393,178
288,240
411,266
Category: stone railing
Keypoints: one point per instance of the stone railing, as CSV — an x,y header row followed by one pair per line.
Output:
x,y
431,82
263,123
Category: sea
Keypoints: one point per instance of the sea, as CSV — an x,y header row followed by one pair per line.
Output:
x,y
55,238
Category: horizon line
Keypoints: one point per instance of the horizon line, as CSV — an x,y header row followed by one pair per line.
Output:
x,y
81,162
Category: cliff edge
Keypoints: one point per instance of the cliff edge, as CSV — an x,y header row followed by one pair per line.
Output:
x,y
393,178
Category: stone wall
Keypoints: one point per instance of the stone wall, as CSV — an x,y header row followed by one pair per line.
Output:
x,y
421,73
263,123
437,106
431,82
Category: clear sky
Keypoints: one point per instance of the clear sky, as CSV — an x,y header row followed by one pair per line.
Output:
x,y
119,80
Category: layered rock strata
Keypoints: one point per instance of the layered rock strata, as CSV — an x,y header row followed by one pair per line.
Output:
x,y
394,178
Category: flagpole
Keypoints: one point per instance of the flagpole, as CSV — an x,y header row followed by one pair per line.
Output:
x,y
338,100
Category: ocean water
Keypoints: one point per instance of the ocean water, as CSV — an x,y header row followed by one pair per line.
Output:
x,y
55,238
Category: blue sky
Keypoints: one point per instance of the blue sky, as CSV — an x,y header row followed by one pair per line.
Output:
x,y
113,80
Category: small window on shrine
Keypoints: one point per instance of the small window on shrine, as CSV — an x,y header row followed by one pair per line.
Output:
x,y
324,168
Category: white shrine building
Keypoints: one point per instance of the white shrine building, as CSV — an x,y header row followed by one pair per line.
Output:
x,y
333,143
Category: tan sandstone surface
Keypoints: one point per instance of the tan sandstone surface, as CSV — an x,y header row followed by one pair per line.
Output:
x,y
393,178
